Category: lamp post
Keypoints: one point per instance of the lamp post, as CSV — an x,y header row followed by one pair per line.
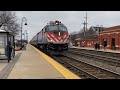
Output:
x,y
23,19
99,27
27,37
25,34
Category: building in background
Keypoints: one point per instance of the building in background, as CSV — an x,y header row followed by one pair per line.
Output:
x,y
110,36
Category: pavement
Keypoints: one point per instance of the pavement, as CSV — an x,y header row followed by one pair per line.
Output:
x,y
31,65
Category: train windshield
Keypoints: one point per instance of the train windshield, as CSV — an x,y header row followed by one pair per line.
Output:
x,y
52,28
57,28
62,28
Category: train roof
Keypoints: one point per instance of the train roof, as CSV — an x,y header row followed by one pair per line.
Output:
x,y
52,23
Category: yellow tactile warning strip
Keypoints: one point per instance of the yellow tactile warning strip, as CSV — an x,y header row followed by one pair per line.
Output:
x,y
65,72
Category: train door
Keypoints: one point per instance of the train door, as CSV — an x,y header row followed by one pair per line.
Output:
x,y
113,44
42,35
43,38
45,35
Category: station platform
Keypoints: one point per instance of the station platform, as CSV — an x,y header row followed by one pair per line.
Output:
x,y
106,50
34,64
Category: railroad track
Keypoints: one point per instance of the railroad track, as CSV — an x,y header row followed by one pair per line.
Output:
x,y
85,70
108,54
110,60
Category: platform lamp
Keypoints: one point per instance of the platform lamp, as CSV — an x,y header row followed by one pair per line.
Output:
x,y
99,27
25,34
23,19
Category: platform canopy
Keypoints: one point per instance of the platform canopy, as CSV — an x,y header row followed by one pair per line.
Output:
x,y
4,31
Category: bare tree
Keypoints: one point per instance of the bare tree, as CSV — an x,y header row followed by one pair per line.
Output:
x,y
81,31
6,17
8,22
14,28
73,35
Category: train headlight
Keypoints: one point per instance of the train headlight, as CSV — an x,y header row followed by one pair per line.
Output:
x,y
57,22
50,40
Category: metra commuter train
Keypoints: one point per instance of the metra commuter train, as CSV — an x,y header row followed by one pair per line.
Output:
x,y
53,37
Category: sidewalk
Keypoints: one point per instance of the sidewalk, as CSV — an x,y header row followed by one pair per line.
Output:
x,y
31,65
106,50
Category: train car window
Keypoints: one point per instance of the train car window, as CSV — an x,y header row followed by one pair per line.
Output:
x,y
62,28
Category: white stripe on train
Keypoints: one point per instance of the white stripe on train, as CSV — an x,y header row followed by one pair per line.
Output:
x,y
50,38
66,39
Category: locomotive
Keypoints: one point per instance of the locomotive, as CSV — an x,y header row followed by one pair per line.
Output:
x,y
53,37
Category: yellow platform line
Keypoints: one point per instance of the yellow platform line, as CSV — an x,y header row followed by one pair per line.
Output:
x,y
65,72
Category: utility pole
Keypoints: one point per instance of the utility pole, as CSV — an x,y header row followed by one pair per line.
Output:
x,y
86,20
84,27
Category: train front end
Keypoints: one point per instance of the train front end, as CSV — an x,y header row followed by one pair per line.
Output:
x,y
57,37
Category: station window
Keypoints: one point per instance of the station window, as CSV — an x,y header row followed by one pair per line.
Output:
x,y
113,41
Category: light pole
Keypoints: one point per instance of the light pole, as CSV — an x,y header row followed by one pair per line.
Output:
x,y
23,19
25,34
99,27
27,37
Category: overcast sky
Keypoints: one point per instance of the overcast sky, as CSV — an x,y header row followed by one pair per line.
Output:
x,y
36,20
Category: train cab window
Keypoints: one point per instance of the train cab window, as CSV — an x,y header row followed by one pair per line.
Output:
x,y
52,28
62,28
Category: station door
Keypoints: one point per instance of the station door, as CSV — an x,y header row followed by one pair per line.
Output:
x,y
113,44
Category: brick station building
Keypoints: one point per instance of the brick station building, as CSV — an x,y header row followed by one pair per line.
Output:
x,y
111,35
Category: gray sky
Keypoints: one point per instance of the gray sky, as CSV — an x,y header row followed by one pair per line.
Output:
x,y
72,19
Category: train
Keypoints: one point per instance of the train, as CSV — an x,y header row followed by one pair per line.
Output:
x,y
53,37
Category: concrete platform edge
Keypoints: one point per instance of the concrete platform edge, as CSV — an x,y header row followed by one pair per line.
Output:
x,y
65,72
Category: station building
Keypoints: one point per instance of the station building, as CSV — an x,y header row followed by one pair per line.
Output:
x,y
111,35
